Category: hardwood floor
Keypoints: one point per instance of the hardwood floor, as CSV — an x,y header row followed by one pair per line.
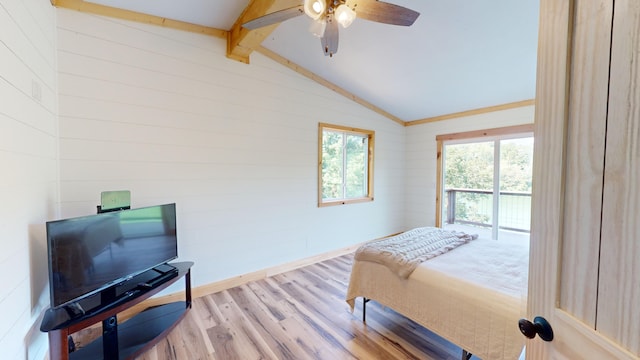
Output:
x,y
299,314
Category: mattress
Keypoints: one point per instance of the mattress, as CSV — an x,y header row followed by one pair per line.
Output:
x,y
472,296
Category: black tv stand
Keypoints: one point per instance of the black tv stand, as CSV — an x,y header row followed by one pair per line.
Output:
x,y
119,341
74,310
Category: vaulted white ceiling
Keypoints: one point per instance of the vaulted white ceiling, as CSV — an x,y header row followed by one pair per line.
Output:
x,y
459,55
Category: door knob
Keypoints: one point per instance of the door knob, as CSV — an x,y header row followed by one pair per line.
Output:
x,y
539,326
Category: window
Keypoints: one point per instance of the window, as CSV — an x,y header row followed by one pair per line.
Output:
x,y
345,170
484,181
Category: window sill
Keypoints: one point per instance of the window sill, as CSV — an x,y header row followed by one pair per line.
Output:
x,y
345,202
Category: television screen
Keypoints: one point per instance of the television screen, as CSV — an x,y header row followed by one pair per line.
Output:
x,y
90,253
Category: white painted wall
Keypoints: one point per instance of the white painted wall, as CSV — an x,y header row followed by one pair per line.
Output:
x,y
421,156
28,170
165,114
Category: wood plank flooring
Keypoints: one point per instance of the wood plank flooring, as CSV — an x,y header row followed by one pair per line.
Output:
x,y
299,314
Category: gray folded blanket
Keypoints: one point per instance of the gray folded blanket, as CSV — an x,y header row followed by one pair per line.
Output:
x,y
402,253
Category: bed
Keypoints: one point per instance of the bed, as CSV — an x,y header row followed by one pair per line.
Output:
x,y
471,295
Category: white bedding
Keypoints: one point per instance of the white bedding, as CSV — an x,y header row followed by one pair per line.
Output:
x,y
495,265
472,296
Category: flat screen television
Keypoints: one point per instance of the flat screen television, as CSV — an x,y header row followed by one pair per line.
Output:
x,y
92,253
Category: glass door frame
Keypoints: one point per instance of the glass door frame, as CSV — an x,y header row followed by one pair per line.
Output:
x,y
487,135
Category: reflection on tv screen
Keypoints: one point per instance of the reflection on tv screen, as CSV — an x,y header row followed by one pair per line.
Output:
x,y
87,254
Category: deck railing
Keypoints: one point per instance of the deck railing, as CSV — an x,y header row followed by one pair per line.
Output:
x,y
473,206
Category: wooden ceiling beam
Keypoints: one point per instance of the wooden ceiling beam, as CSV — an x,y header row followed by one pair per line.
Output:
x,y
242,42
92,8
484,110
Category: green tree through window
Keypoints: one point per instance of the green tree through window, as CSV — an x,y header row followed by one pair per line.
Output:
x,y
346,164
469,182
470,166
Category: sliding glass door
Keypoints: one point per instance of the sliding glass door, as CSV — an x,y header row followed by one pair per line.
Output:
x,y
486,185
514,173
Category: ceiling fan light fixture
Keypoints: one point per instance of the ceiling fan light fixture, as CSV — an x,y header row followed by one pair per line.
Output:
x,y
318,27
315,8
345,15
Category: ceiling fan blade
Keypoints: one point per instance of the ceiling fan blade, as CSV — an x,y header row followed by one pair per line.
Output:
x,y
274,17
329,40
383,12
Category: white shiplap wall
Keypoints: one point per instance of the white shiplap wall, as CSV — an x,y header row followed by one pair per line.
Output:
x,y
421,157
165,114
28,171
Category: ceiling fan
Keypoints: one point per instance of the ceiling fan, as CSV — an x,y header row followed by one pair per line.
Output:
x,y
327,14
